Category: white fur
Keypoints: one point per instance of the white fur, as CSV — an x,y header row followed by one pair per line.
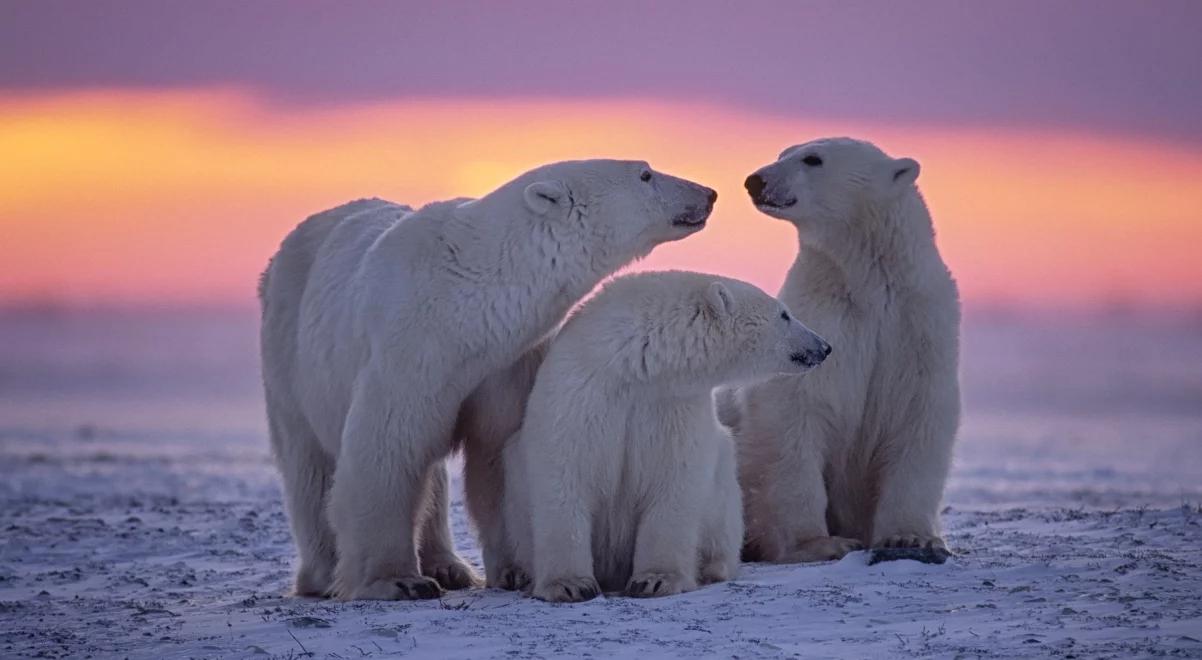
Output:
x,y
621,477
379,322
859,452
487,420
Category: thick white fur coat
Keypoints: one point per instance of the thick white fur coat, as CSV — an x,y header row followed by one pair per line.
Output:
x,y
379,322
858,452
621,477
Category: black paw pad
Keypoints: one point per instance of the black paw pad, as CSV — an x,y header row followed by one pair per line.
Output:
x,y
936,555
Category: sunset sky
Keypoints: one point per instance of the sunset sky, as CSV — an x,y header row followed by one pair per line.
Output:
x,y
157,152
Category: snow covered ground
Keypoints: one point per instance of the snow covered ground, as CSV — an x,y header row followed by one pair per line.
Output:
x,y
140,517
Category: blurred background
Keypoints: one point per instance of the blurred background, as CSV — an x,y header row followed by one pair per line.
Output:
x,y
153,154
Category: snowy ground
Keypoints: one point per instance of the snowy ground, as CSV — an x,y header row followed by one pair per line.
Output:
x,y
1074,510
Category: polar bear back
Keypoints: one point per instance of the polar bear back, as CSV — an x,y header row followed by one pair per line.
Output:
x,y
305,275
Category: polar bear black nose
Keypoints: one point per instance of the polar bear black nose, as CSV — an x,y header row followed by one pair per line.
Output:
x,y
713,197
826,349
754,185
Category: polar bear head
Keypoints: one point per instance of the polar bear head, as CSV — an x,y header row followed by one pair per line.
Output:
x,y
692,329
828,183
750,335
616,208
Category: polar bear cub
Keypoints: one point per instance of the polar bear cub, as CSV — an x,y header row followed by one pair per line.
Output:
x,y
857,454
621,477
380,321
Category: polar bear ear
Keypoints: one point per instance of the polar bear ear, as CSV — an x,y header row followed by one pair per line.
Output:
x,y
903,172
542,196
718,297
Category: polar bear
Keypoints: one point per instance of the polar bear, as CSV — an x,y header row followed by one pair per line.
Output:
x,y
857,454
620,477
380,321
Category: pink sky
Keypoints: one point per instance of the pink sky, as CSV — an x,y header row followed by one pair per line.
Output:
x,y
182,196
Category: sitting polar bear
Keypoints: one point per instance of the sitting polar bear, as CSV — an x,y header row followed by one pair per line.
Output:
x,y
858,453
621,477
379,321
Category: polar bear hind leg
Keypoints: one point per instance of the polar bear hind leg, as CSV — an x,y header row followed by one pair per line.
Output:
x,y
307,473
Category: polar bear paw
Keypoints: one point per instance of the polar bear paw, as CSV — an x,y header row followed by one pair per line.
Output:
x,y
825,548
919,547
451,573
653,585
913,541
513,578
412,587
568,590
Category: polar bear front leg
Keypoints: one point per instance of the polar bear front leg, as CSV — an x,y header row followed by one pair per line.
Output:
x,y
563,555
667,544
561,530
307,472
911,491
437,551
388,447
665,550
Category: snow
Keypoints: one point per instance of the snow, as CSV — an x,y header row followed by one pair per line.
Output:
x,y
141,517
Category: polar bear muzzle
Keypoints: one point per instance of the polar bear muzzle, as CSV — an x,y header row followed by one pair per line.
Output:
x,y
695,216
814,349
764,194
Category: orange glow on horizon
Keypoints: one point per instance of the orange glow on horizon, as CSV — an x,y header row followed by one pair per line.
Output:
x,y
114,196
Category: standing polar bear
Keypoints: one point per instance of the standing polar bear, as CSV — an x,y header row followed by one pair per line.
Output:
x,y
380,321
621,477
857,454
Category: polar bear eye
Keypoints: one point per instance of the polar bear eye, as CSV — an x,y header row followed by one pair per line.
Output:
x,y
784,315
812,161
645,176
